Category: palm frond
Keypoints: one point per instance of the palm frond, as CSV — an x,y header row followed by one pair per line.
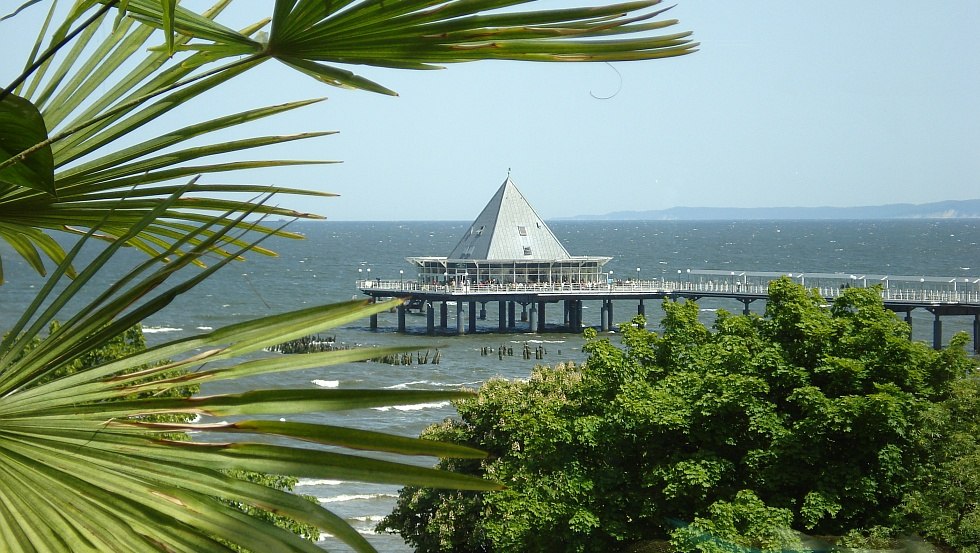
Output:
x,y
106,87
85,438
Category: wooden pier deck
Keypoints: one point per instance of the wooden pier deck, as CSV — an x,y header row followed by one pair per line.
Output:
x,y
941,296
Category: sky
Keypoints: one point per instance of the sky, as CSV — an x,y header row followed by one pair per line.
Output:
x,y
805,103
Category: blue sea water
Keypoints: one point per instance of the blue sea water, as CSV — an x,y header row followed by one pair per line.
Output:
x,y
323,268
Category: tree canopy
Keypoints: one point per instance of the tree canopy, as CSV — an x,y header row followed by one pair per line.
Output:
x,y
755,432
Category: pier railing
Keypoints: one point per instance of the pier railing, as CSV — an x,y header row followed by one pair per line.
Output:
x,y
726,288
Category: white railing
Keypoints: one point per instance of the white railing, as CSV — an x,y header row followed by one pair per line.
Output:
x,y
726,288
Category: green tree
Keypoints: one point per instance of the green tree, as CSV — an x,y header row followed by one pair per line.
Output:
x,y
807,419
82,466
944,503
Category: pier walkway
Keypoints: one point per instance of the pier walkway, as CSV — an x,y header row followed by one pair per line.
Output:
x,y
941,296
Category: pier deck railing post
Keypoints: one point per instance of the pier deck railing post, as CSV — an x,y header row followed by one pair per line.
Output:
x,y
460,321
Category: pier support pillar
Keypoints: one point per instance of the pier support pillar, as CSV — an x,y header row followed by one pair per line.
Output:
x,y
501,316
541,317
604,316
483,310
443,315
567,320
532,318
745,309
460,321
609,311
511,314
641,309
523,312
401,318
430,318
577,316
908,321
472,329
937,333
374,321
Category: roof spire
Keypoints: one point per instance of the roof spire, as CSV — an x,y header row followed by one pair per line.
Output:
x,y
508,229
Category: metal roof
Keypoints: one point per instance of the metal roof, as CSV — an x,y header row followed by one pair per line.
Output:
x,y
509,229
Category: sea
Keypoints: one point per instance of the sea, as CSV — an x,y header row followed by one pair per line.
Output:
x,y
323,268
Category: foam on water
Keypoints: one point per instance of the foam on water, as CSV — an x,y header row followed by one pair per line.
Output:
x,y
416,407
406,385
159,329
356,497
318,482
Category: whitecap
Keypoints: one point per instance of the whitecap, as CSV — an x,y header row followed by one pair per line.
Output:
x,y
156,329
327,383
318,482
415,407
355,497
205,328
406,385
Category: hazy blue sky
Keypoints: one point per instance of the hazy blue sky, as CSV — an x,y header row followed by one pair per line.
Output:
x,y
801,103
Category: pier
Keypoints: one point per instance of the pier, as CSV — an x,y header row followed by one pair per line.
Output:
x,y
510,257
940,296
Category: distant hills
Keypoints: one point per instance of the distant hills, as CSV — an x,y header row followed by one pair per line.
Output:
x,y
951,209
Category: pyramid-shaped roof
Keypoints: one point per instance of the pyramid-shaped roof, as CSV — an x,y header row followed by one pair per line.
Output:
x,y
508,229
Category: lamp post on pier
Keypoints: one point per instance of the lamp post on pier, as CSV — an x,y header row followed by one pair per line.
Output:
x,y
401,276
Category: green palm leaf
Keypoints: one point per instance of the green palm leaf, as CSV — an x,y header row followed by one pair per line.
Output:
x,y
109,472
67,167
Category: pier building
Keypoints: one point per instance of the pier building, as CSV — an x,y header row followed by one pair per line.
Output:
x,y
509,244
509,257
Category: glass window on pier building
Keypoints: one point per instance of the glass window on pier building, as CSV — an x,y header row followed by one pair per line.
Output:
x,y
435,270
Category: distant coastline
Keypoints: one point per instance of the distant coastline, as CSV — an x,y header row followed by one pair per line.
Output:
x,y
950,209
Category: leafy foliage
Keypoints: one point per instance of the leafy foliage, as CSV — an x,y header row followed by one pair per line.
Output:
x,y
812,419
944,503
